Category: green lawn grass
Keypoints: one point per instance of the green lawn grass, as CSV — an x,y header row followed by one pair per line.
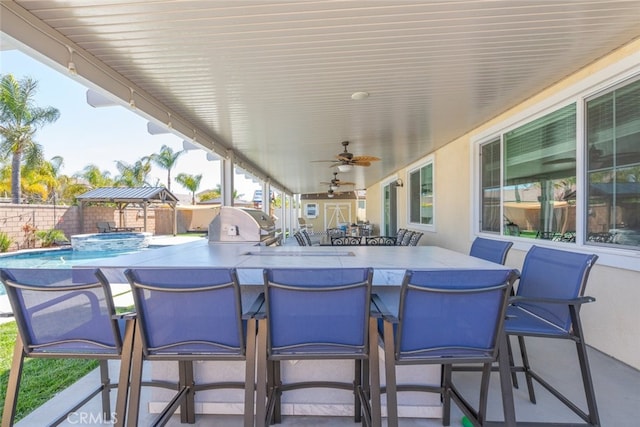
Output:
x,y
42,378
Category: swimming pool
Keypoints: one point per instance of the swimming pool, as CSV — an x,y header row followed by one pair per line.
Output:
x,y
58,258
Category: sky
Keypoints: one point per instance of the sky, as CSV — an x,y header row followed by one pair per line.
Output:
x,y
85,135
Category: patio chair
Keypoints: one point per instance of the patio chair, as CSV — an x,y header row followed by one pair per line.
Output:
x,y
380,241
447,317
547,305
400,235
415,238
306,237
406,238
494,251
64,314
187,315
346,241
103,227
335,232
304,225
300,239
490,250
318,314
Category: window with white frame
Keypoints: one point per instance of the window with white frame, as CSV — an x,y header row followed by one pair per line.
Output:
x,y
613,167
490,219
421,196
528,174
537,188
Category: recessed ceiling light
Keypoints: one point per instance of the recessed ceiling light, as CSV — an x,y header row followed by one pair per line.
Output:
x,y
359,95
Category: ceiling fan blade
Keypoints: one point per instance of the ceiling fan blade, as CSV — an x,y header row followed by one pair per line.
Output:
x,y
323,161
365,159
361,163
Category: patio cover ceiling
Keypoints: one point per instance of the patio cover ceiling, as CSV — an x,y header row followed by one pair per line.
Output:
x,y
269,84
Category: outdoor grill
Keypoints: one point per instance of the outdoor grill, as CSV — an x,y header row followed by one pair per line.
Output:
x,y
243,225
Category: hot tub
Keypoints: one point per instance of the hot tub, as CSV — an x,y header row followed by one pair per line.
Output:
x,y
120,241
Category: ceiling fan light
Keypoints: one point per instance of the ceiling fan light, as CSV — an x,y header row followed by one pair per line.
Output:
x,y
330,194
334,187
345,168
357,96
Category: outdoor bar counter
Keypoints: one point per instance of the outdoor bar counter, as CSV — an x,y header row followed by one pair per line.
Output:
x,y
389,264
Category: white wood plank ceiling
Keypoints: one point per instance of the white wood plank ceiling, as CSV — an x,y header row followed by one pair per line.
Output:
x,y
272,81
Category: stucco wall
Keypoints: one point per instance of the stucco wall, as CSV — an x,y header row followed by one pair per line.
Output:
x,y
611,323
16,219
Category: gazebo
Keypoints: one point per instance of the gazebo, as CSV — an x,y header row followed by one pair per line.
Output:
x,y
124,196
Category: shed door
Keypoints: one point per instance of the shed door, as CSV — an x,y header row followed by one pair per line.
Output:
x,y
336,214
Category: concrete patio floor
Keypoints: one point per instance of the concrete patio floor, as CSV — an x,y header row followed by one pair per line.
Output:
x,y
617,388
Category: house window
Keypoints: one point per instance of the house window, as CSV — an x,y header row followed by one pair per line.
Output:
x,y
613,167
535,196
490,219
528,175
311,210
421,196
539,177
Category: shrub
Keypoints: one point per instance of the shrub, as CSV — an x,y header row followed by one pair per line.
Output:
x,y
5,241
51,237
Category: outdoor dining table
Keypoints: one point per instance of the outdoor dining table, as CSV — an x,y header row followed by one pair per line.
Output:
x,y
389,264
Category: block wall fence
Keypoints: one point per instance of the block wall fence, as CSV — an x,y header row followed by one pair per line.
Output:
x,y
20,221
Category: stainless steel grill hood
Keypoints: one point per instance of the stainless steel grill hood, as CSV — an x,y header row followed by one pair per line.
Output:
x,y
243,225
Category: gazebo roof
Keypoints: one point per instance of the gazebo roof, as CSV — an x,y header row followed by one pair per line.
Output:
x,y
129,195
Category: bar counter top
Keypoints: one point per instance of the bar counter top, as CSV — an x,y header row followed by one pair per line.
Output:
x,y
388,262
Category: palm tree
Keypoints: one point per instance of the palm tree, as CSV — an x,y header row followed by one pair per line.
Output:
x,y
134,175
19,121
166,159
95,177
70,189
209,195
53,168
5,178
191,183
38,183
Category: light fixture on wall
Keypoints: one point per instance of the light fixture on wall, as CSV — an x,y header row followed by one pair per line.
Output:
x,y
71,66
132,101
398,183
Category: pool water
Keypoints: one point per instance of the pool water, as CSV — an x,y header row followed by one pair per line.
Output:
x,y
62,258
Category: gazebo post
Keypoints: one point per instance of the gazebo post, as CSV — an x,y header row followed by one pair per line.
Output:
x,y
144,208
81,215
175,218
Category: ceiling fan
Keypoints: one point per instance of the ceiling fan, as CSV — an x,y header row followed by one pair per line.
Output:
x,y
346,160
332,193
335,183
